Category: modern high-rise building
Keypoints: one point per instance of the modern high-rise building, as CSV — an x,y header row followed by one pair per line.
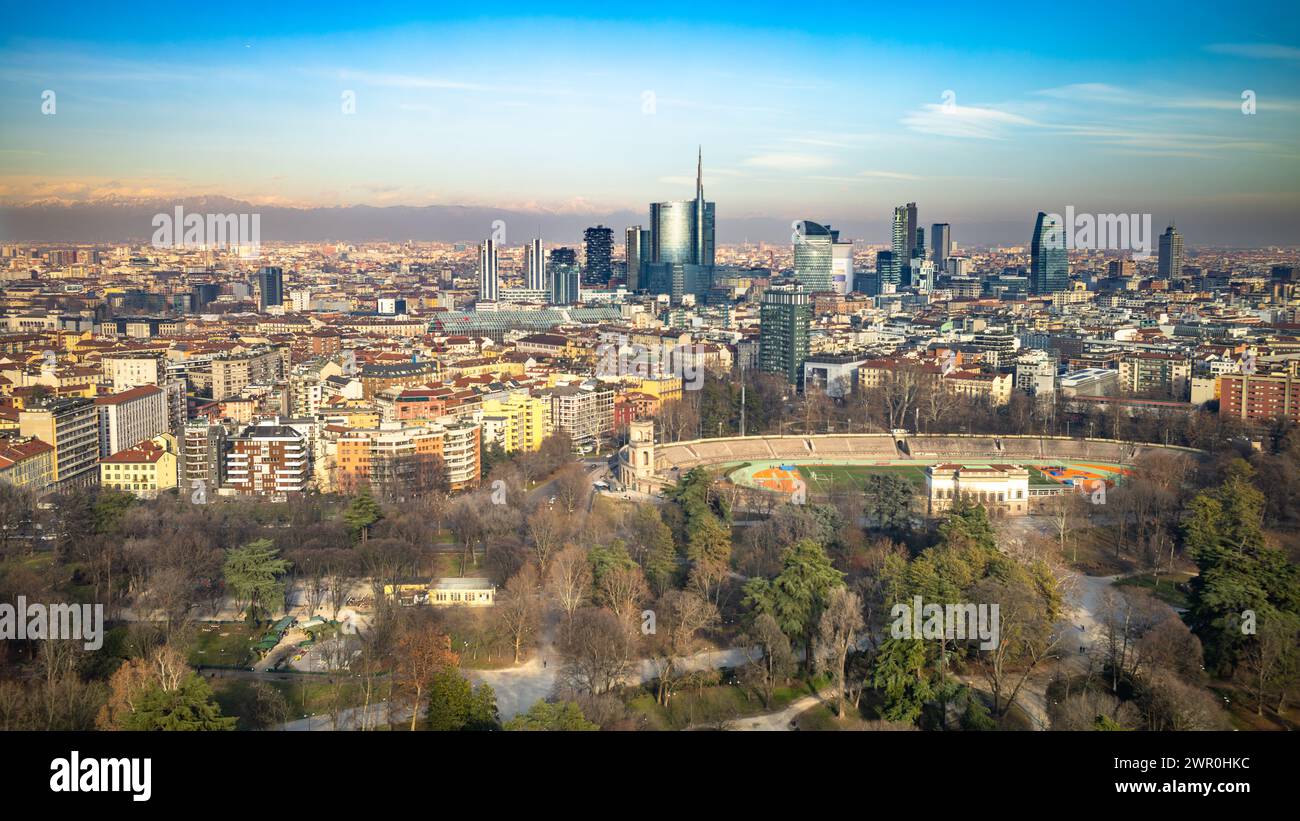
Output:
x,y
940,244
1049,265
900,247
534,266
783,320
203,294
565,282
488,283
598,244
563,256
636,254
1171,254
813,243
821,261
71,425
682,243
887,274
270,286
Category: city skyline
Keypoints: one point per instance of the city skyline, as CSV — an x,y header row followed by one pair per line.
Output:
x,y
836,120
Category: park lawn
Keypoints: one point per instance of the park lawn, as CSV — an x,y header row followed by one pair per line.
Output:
x,y
821,718
1167,591
313,694
691,706
225,644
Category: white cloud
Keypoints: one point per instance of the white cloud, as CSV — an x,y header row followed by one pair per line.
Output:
x,y
964,121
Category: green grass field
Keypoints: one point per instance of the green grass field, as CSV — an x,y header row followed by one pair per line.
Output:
x,y
844,478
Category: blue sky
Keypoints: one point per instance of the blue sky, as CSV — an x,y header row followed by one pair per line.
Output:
x,y
821,111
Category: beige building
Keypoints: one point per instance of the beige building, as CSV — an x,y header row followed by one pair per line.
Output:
x,y
451,592
1000,488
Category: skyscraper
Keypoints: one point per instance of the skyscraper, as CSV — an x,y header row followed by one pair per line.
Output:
x,y
1050,267
636,254
598,244
487,271
886,274
783,319
813,244
682,243
940,244
534,266
270,285
900,247
1171,254
563,256
565,280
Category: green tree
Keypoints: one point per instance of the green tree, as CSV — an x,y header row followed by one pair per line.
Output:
x,y
889,502
653,548
363,514
454,704
899,672
253,575
1239,572
187,707
561,716
795,598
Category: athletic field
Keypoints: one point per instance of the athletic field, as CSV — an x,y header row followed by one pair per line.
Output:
x,y
849,476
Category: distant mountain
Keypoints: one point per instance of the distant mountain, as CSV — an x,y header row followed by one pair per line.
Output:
x,y
121,220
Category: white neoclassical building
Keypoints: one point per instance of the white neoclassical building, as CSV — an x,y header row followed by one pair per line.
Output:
x,y
1000,488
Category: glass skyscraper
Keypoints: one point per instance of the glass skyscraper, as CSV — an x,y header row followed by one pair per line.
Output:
x,y
682,244
636,255
1171,253
270,285
1049,265
534,266
813,255
488,284
940,244
900,247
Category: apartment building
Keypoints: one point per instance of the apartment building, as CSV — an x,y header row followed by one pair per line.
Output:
x,y
585,412
71,426
27,463
1260,397
517,423
268,459
397,461
131,416
263,366
145,469
203,449
1151,373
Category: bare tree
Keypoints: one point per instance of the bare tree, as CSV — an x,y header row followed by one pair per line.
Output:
x,y
596,650
518,609
837,635
680,617
569,579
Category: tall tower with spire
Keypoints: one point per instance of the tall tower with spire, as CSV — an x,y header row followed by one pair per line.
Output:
x,y
682,244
